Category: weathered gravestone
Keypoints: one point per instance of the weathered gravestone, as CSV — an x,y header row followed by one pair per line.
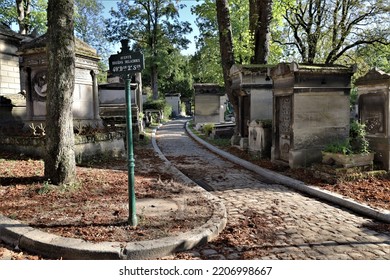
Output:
x,y
374,112
311,110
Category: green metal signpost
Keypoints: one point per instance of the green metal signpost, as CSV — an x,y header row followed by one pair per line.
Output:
x,y
126,64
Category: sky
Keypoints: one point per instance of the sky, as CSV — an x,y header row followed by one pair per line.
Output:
x,y
185,15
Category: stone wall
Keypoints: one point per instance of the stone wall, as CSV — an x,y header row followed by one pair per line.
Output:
x,y
9,61
9,70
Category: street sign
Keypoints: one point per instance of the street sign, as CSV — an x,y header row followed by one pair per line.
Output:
x,y
126,63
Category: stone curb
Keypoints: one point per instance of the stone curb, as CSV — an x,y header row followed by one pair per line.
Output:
x,y
53,246
365,210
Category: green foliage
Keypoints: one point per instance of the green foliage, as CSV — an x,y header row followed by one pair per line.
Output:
x,y
206,66
339,147
370,56
242,37
176,76
155,104
207,128
160,105
46,188
167,111
331,31
102,75
153,27
36,19
355,144
353,97
206,63
358,141
90,26
39,17
8,12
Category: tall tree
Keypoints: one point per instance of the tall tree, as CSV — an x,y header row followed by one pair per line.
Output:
x,y
206,62
23,8
176,77
250,38
324,31
60,162
260,17
226,48
90,27
153,26
7,12
29,15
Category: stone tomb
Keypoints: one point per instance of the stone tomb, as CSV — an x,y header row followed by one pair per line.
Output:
x,y
33,64
173,99
210,103
253,86
112,100
374,112
311,109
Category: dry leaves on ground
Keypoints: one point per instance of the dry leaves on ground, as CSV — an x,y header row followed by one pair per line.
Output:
x,y
373,191
96,207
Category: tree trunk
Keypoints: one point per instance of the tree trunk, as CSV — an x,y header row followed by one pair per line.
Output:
x,y
226,49
23,8
260,16
154,80
60,164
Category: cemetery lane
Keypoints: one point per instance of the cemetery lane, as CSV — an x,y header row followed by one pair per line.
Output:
x,y
268,220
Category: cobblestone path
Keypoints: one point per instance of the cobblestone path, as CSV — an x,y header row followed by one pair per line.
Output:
x,y
301,227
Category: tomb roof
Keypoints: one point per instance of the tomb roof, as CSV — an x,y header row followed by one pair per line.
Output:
x,y
8,34
372,76
38,45
262,68
294,67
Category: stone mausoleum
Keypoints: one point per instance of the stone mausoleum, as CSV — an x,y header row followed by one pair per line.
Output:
x,y
310,110
210,103
253,86
33,70
374,112
23,86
